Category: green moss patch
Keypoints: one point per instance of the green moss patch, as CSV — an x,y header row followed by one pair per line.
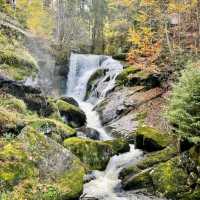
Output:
x,y
150,139
53,128
157,157
122,78
169,178
95,154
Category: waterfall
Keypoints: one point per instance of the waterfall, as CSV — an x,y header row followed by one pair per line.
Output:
x,y
106,186
83,66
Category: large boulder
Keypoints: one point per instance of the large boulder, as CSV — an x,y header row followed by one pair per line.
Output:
x,y
158,157
150,139
132,76
95,154
73,115
35,167
88,133
33,97
54,129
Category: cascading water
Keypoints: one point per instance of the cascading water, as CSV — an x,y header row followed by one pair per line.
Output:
x,y
106,186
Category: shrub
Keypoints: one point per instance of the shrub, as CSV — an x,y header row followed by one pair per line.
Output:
x,y
184,104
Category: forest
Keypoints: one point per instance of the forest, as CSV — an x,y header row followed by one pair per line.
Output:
x,y
99,99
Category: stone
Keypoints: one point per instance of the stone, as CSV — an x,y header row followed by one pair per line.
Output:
x,y
150,139
88,133
169,178
73,115
95,154
69,100
34,165
138,181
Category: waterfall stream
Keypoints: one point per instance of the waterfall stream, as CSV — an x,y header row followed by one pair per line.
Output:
x,y
106,186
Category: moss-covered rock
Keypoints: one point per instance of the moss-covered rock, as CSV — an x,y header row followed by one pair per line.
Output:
x,y
157,157
169,178
128,172
95,154
52,128
131,76
123,77
119,145
93,81
194,195
138,181
60,172
150,139
73,115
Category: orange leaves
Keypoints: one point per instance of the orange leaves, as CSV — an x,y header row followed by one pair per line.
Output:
x,y
142,44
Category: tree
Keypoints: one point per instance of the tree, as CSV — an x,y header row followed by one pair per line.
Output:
x,y
183,111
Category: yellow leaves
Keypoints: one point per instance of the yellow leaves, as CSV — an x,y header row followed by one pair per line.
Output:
x,y
39,19
126,3
181,6
134,37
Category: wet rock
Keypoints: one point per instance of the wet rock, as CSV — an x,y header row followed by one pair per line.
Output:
x,y
150,139
69,100
93,81
89,177
116,103
119,145
128,171
89,133
138,181
73,115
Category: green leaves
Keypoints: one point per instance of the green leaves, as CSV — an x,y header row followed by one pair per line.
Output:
x,y
184,103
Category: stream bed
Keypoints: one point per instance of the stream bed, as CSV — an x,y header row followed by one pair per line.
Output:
x,y
106,185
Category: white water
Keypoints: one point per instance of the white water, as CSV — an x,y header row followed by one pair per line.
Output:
x,y
106,186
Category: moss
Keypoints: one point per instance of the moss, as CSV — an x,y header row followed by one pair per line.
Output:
x,y
15,165
157,157
10,121
129,171
194,195
150,139
52,127
95,154
169,178
64,106
70,184
73,115
17,65
138,181
122,78
13,104
119,145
